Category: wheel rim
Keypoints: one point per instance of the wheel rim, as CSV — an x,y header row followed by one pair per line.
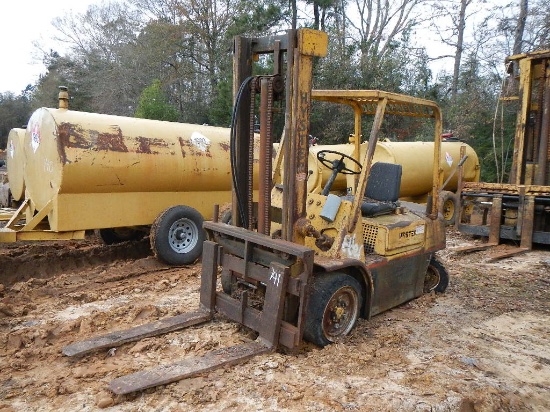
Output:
x,y
183,235
448,209
340,313
431,280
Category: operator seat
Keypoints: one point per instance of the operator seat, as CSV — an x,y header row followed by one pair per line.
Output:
x,y
382,192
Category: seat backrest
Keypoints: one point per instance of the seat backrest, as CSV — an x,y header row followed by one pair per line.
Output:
x,y
384,182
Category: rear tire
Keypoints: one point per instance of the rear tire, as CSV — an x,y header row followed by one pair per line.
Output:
x,y
437,277
177,235
333,308
110,236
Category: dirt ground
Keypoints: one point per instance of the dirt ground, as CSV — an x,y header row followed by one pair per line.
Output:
x,y
484,345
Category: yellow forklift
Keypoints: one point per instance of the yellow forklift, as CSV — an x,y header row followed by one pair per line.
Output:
x,y
296,266
519,210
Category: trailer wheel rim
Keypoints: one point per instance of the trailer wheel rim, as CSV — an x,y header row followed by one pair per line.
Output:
x,y
340,313
183,235
448,209
432,279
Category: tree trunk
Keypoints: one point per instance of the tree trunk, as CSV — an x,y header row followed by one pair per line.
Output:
x,y
459,46
294,13
520,26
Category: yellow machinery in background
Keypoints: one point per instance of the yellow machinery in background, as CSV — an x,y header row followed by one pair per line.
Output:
x,y
15,162
520,209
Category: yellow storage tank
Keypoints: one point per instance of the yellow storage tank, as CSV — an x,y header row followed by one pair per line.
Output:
x,y
70,152
15,163
415,157
126,177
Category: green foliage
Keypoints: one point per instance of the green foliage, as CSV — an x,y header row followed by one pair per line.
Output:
x,y
256,17
220,110
470,116
153,104
14,112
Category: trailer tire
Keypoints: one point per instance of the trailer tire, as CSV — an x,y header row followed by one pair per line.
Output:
x,y
448,206
437,277
333,307
177,235
110,236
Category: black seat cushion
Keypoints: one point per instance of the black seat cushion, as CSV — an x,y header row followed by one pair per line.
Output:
x,y
384,182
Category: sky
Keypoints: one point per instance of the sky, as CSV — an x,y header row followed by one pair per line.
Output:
x,y
23,22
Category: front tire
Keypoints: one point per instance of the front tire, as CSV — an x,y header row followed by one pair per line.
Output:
x,y
437,277
177,235
333,308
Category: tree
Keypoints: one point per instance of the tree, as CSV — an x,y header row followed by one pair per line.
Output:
x,y
103,55
153,104
14,112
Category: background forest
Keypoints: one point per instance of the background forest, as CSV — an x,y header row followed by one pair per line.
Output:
x,y
171,59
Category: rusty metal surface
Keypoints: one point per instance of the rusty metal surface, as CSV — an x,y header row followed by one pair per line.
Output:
x,y
368,100
75,152
165,374
209,275
266,149
282,268
139,332
259,239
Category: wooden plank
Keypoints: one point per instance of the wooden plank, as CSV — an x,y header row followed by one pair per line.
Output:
x,y
174,372
528,218
506,253
496,217
472,248
139,332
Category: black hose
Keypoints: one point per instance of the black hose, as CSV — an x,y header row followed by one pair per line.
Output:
x,y
232,149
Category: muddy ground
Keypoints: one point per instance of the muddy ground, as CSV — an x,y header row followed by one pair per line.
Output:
x,y
484,345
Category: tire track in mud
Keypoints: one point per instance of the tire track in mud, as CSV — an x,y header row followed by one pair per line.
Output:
x,y
46,260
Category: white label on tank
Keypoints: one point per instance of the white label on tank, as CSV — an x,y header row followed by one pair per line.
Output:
x,y
200,141
11,149
449,159
419,230
35,137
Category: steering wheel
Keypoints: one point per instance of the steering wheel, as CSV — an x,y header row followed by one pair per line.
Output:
x,y
338,165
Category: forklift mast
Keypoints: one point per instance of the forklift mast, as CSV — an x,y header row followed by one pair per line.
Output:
x,y
290,85
531,156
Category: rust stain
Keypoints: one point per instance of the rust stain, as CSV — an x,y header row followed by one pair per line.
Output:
x,y
112,141
70,135
224,146
147,145
182,146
